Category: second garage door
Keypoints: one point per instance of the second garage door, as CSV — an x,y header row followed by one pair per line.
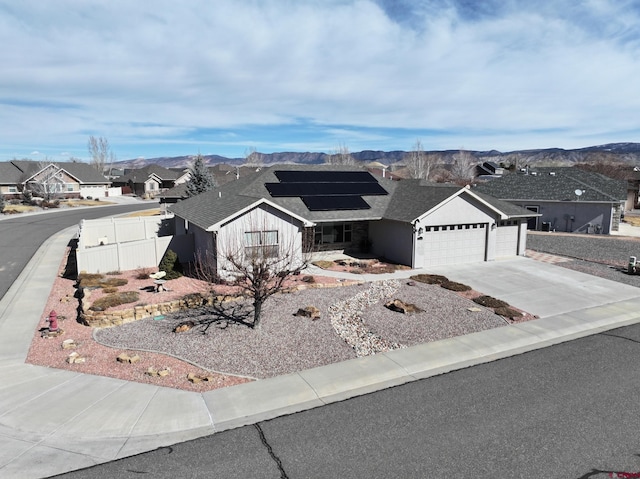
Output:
x,y
454,244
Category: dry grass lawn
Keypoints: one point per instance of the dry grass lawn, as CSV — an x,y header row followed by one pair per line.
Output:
x,y
632,220
8,209
153,212
72,203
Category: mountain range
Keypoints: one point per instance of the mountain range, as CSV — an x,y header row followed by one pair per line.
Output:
x,y
628,153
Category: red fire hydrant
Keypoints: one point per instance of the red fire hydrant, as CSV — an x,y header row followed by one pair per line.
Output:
x,y
53,321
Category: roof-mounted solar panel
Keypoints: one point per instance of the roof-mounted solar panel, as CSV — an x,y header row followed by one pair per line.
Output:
x,y
334,203
324,189
325,177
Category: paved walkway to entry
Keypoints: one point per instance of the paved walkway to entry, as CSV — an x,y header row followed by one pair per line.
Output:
x,y
52,421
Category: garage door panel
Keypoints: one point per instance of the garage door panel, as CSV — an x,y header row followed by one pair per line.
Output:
x,y
453,245
507,241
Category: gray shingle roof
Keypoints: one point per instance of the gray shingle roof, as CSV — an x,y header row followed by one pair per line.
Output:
x,y
18,171
142,174
9,174
555,184
406,201
412,198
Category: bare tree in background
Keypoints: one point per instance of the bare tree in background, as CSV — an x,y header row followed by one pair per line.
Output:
x,y
341,156
253,157
463,168
48,182
419,162
100,153
258,259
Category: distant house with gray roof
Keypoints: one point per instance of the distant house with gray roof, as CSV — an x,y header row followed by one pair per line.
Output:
x,y
150,180
567,198
339,208
68,179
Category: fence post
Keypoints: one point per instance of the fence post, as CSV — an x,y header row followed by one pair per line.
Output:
x,y
119,256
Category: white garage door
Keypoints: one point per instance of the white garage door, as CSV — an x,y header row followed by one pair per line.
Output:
x,y
506,239
452,244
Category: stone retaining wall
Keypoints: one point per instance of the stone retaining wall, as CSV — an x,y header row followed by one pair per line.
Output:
x,y
107,319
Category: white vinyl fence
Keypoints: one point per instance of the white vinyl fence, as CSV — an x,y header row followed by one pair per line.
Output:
x,y
121,244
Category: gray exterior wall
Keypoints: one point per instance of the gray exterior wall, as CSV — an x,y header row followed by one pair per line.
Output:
x,y
587,217
392,240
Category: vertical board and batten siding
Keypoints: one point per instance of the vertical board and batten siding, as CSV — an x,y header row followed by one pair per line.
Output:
x,y
230,237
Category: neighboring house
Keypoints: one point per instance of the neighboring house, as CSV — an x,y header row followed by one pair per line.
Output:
x,y
68,179
222,174
568,199
489,169
333,208
151,180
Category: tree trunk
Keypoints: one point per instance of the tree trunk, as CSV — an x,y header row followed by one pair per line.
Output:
x,y
257,310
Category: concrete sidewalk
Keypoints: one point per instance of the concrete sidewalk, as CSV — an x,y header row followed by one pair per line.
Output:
x,y
52,421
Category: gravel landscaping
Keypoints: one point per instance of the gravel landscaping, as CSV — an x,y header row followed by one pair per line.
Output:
x,y
353,322
286,343
598,255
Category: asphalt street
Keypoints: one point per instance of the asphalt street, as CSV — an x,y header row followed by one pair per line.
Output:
x,y
22,235
566,411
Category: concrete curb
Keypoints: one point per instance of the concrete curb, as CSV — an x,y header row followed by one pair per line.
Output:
x,y
93,424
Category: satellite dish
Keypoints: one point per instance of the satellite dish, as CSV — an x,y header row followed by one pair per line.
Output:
x,y
578,192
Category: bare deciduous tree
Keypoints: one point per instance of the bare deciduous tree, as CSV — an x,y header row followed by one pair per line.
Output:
x,y
462,170
100,153
253,157
257,258
341,156
419,162
48,182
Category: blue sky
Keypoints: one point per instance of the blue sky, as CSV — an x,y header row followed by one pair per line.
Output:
x,y
167,78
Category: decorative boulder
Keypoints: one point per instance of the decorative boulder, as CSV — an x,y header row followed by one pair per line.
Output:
x,y
182,327
401,307
309,312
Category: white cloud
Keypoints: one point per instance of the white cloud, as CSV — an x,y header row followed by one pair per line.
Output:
x,y
158,71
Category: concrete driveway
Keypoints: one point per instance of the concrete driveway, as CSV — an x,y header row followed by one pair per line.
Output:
x,y
539,288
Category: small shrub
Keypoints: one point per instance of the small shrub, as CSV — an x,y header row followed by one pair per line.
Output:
x,y
110,289
2,203
308,279
430,278
50,204
27,197
114,299
171,265
114,273
453,286
143,273
490,302
113,282
96,280
508,312
89,280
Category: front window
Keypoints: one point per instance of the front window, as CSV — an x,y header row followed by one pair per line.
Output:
x,y
328,233
262,244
